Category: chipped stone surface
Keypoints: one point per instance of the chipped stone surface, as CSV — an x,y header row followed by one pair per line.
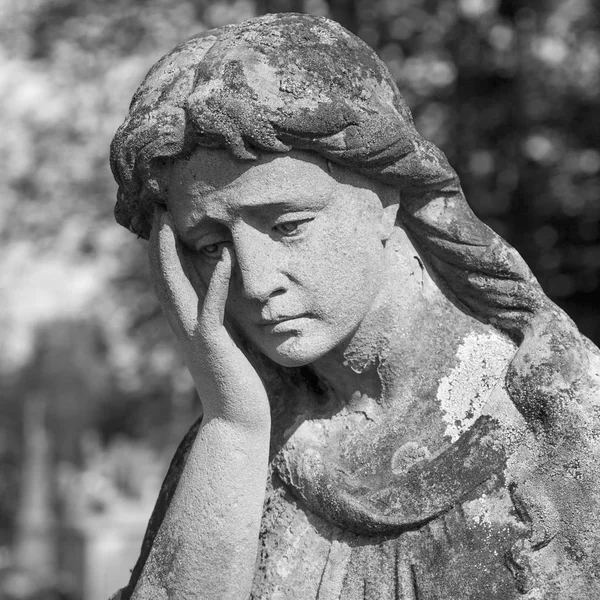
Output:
x,y
443,442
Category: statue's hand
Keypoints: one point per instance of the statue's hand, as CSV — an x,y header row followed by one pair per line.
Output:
x,y
228,384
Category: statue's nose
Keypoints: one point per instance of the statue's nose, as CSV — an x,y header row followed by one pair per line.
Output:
x,y
260,264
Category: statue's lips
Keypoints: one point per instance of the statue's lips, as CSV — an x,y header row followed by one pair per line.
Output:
x,y
281,324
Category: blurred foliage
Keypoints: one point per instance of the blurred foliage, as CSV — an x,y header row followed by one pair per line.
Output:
x,y
509,91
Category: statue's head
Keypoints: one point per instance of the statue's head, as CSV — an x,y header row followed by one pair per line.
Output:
x,y
295,82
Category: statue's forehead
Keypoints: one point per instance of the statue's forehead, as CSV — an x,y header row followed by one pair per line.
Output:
x,y
213,175
209,169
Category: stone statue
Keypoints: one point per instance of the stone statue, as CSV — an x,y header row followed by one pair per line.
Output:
x,y
392,406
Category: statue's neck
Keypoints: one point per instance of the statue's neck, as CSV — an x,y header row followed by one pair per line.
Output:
x,y
412,329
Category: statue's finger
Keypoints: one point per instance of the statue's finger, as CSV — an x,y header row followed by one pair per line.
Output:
x,y
177,296
213,310
191,272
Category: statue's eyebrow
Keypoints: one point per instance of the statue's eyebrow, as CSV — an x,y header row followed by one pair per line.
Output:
x,y
284,205
203,226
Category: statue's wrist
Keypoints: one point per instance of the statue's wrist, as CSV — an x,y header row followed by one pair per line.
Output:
x,y
247,422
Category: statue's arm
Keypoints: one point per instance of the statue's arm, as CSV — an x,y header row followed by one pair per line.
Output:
x,y
167,490
206,536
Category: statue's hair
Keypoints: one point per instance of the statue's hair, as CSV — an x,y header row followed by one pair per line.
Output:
x,y
295,81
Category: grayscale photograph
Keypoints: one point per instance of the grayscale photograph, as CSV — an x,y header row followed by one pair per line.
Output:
x,y
300,300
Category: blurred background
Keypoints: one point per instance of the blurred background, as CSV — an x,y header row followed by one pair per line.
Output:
x,y
93,397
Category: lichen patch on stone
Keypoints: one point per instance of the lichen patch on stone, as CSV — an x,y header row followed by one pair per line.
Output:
x,y
481,359
490,509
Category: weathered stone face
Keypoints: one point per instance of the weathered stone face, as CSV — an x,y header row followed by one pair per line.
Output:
x,y
308,242
433,418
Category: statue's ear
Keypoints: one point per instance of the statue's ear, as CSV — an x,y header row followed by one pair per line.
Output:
x,y
388,220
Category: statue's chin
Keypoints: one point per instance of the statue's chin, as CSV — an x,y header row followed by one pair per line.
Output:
x,y
297,349
299,341
295,353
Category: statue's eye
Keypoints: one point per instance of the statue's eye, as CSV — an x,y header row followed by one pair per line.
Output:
x,y
292,227
287,228
212,250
